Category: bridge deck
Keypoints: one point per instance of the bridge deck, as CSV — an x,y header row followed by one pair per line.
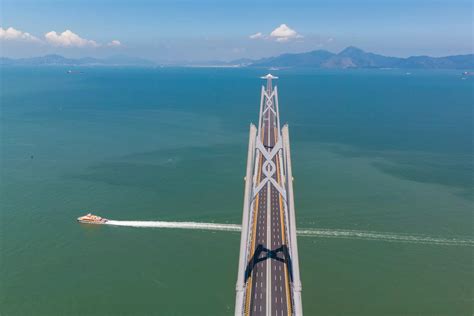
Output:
x,y
268,289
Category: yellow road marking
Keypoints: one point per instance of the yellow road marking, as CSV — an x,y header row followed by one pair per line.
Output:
x,y
252,248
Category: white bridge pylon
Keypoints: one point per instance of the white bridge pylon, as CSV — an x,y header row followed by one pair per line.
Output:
x,y
262,149
269,102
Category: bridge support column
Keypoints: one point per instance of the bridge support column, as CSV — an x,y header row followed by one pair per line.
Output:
x,y
298,307
246,223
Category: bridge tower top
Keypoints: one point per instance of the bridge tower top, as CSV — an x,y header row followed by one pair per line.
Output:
x,y
269,79
269,107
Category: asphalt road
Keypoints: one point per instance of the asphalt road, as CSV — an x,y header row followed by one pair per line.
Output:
x,y
270,283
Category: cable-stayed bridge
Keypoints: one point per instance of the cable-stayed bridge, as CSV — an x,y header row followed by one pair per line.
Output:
x,y
268,281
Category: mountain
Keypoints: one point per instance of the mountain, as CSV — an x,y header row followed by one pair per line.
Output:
x,y
58,60
44,60
353,57
350,57
454,62
315,59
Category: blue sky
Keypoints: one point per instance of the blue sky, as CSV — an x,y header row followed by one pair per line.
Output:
x,y
198,30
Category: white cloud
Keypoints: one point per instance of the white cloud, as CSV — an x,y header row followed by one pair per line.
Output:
x,y
284,33
16,35
64,39
68,39
114,43
256,36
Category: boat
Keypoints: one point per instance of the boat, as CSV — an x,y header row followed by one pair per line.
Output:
x,y
92,219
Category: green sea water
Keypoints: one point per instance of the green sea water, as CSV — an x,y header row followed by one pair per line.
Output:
x,y
373,150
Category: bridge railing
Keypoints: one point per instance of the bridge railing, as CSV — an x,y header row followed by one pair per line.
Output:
x,y
298,308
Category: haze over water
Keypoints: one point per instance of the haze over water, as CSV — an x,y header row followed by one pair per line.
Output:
x,y
373,150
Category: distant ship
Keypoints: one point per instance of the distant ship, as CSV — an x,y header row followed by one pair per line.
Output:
x,y
92,219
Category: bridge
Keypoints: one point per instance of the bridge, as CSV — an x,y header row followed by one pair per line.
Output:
x,y
268,281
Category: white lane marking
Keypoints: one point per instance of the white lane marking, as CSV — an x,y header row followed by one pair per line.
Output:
x,y
269,262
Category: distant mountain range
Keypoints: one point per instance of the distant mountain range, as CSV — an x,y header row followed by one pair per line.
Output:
x,y
58,60
351,57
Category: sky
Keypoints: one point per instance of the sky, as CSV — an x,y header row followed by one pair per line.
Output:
x,y
207,30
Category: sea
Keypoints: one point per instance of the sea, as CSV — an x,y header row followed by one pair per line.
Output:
x,y
383,169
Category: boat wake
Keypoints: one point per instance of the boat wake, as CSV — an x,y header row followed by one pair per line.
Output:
x,y
181,225
308,232
386,236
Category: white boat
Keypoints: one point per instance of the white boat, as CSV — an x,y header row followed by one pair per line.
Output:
x,y
92,219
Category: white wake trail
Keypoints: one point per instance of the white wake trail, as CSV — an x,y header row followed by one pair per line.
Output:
x,y
386,236
181,225
308,232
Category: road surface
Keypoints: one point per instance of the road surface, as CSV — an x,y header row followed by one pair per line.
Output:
x,y
268,290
